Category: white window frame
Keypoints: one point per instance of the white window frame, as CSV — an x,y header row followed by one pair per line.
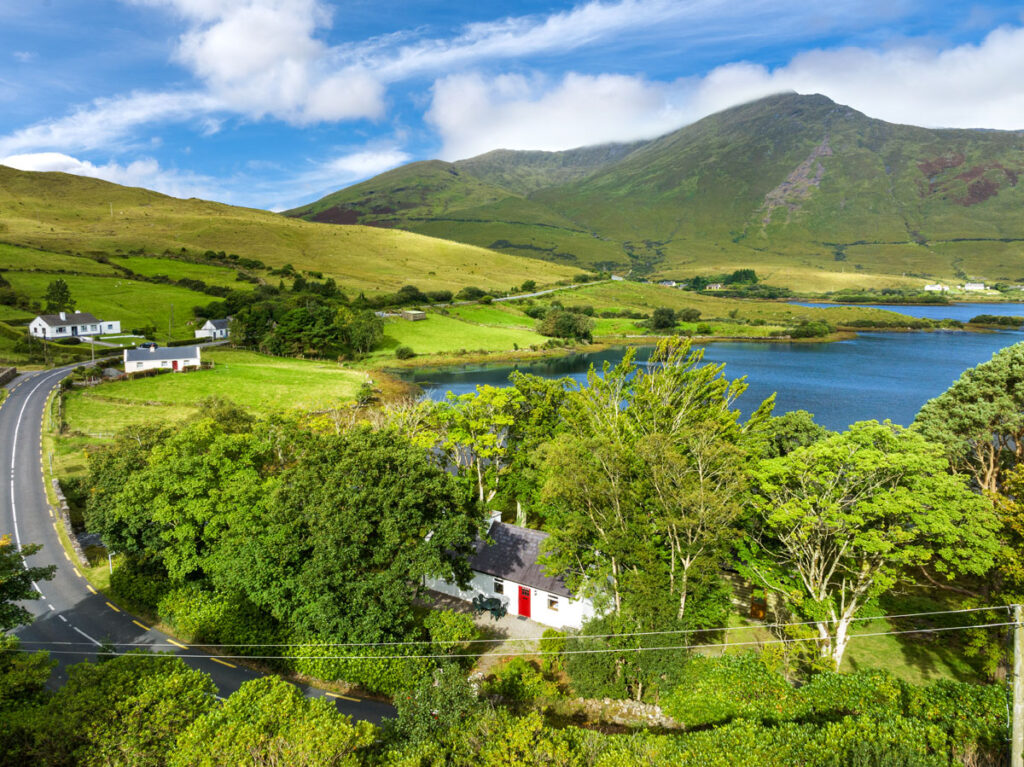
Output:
x,y
499,585
553,603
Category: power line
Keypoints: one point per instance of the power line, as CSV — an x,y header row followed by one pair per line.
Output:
x,y
602,651
574,637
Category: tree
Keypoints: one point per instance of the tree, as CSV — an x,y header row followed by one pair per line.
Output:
x,y
840,522
663,318
363,329
563,324
438,702
58,297
270,722
979,420
785,433
16,580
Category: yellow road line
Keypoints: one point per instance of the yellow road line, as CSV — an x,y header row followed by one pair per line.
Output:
x,y
116,610
343,697
223,662
91,589
142,626
76,571
178,644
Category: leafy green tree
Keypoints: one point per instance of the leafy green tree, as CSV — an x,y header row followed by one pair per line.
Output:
x,y
663,318
785,433
438,702
558,323
362,330
23,675
16,582
979,420
58,297
269,722
840,522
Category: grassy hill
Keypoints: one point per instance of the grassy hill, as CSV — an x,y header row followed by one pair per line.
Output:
x,y
814,194
66,215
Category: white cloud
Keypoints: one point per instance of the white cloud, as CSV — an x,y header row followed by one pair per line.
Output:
x,y
106,122
145,172
968,86
24,56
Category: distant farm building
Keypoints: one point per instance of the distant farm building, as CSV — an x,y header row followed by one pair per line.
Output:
x,y
715,286
71,325
413,315
177,358
215,330
936,288
668,283
974,286
509,570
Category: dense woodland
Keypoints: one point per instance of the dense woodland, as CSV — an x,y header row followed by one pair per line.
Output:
x,y
312,531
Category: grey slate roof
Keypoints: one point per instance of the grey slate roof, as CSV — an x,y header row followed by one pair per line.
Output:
x,y
513,556
161,353
73,318
219,324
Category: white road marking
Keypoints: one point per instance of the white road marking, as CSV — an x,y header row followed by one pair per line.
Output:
x,y
86,635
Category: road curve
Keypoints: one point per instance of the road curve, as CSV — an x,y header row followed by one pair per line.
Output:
x,y
69,610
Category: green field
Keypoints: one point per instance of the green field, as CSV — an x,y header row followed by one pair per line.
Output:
x,y
177,269
445,335
24,259
65,213
135,304
257,382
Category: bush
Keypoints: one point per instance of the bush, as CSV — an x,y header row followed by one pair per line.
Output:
x,y
520,684
439,296
663,318
535,312
139,582
487,299
469,294
451,632
404,353
703,329
717,690
563,324
811,330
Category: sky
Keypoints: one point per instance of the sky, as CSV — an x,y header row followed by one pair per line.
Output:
x,y
274,103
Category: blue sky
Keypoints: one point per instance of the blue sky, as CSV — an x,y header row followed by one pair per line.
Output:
x,y
272,103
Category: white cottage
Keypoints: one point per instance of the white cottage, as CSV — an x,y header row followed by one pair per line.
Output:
x,y
508,569
176,358
71,325
215,329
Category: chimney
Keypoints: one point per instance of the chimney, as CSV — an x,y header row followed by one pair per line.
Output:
x,y
152,349
63,315
495,516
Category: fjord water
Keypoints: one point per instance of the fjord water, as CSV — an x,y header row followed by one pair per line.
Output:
x,y
873,376
962,312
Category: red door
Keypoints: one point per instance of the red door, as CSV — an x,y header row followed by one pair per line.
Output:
x,y
174,364
524,601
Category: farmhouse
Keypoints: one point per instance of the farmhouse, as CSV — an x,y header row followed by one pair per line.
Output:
x,y
973,286
508,569
161,358
936,288
71,325
215,329
413,315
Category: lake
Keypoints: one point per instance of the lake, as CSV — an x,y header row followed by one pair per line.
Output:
x,y
874,376
962,312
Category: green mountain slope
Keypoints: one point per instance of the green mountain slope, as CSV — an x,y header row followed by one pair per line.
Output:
x,y
813,194
67,214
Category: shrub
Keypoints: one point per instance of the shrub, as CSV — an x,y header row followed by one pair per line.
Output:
x,y
404,353
450,631
520,683
717,690
139,582
563,324
703,329
663,318
469,293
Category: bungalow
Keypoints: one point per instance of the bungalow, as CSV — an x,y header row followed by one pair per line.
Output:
x,y
413,315
974,286
177,358
215,329
508,569
936,288
715,286
71,325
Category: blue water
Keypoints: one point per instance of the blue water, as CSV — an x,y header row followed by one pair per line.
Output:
x,y
874,376
962,312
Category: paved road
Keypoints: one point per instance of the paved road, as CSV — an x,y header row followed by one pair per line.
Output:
x,y
69,610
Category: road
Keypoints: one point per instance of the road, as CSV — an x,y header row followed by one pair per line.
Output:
x,y
69,610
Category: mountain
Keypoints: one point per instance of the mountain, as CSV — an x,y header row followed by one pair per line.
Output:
x,y
66,214
811,193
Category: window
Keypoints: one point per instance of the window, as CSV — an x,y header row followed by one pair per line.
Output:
x,y
499,586
553,603
138,365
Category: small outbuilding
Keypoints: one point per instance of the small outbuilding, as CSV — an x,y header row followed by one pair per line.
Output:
x,y
413,315
71,325
215,330
508,569
176,358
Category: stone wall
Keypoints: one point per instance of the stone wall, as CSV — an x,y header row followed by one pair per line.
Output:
x,y
7,375
64,512
629,713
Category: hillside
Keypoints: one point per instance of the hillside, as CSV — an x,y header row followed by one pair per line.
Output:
x,y
65,215
813,194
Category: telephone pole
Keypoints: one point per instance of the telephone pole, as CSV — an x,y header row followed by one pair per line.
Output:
x,y
1017,735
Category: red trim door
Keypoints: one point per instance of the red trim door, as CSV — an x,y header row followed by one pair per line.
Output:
x,y
174,364
524,601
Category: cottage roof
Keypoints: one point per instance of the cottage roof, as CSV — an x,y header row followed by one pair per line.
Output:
x,y
161,353
218,324
70,318
513,556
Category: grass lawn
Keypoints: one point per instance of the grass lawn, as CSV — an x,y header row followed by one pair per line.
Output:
x,y
17,257
135,304
502,315
258,382
9,314
439,335
177,270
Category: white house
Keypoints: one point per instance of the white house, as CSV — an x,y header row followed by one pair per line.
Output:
x,y
71,325
215,329
974,286
937,288
165,357
508,569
